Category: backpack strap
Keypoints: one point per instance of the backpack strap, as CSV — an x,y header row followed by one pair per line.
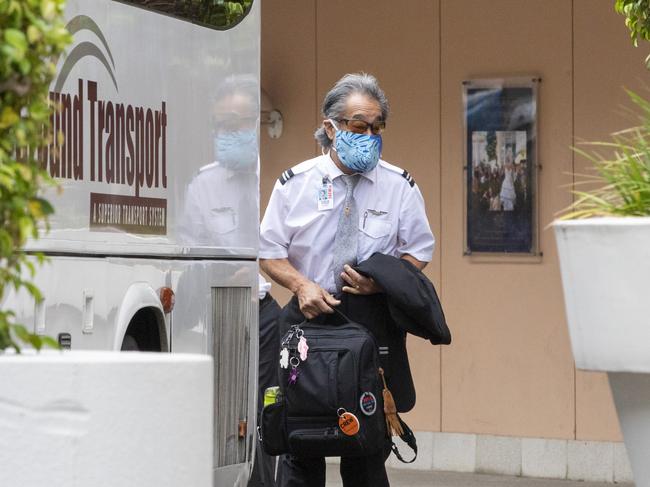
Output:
x,y
407,437
343,315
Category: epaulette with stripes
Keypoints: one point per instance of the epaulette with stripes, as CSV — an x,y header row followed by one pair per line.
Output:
x,y
208,166
298,169
286,175
402,172
408,178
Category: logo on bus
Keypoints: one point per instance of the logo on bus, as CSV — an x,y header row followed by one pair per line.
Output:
x,y
126,144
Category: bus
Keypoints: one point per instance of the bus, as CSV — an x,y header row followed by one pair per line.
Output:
x,y
153,243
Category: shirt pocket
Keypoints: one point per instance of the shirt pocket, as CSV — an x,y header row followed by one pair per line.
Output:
x,y
375,230
223,220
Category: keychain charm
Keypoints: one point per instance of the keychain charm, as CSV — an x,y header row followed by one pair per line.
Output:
x,y
293,375
284,358
294,350
302,348
348,422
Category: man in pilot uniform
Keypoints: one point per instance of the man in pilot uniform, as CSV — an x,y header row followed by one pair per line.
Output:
x,y
332,212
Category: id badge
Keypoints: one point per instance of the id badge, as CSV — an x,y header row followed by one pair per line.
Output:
x,y
326,195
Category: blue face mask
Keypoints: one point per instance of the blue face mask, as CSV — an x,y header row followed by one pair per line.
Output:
x,y
236,150
358,152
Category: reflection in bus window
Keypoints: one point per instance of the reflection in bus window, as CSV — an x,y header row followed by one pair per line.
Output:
x,y
218,209
219,14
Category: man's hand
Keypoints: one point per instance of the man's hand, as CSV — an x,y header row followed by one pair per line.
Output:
x,y
314,300
358,284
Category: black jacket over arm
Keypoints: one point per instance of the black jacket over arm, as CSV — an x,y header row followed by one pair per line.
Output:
x,y
409,304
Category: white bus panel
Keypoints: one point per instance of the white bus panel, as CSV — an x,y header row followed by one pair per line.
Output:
x,y
100,303
143,97
158,166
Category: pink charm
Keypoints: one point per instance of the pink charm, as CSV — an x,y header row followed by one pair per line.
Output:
x,y
302,348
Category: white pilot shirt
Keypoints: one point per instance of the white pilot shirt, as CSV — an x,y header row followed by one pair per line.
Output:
x,y
392,218
218,211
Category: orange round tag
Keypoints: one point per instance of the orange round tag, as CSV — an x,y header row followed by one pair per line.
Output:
x,y
349,424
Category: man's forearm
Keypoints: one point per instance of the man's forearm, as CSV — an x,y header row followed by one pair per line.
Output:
x,y
282,272
286,275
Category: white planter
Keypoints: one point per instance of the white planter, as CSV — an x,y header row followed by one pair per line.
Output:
x,y
605,266
632,399
80,419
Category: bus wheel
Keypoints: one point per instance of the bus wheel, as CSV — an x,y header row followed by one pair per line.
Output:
x,y
143,333
129,344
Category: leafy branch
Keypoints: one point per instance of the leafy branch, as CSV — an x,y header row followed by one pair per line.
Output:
x,y
32,33
637,18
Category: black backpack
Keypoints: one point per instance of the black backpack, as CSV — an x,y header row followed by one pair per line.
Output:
x,y
338,378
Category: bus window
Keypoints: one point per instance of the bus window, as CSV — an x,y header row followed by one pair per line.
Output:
x,y
217,14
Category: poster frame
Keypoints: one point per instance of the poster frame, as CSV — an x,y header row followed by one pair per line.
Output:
x,y
475,244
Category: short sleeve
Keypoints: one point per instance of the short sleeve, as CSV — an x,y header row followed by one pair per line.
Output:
x,y
274,235
191,227
414,234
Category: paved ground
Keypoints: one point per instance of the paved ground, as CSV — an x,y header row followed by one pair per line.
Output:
x,y
408,478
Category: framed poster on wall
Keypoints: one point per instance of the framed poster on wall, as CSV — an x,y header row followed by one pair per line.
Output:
x,y
500,122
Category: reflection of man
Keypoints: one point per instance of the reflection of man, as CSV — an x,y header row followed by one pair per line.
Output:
x,y
221,211
220,207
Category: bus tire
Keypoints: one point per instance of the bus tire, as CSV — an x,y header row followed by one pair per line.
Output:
x,y
129,344
144,332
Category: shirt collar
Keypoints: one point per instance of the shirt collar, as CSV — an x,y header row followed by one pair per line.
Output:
x,y
229,173
330,168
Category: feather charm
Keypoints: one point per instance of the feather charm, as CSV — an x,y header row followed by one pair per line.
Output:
x,y
393,426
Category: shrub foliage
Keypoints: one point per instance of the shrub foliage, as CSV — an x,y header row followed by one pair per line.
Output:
x,y
622,172
32,36
637,18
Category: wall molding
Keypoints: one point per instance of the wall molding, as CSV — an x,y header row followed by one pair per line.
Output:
x,y
593,461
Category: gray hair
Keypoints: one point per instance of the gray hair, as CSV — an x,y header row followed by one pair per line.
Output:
x,y
335,101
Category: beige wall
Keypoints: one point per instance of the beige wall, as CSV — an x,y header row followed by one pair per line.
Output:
x,y
509,370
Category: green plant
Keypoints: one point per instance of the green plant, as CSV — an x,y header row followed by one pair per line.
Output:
x,y
622,179
637,18
32,34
